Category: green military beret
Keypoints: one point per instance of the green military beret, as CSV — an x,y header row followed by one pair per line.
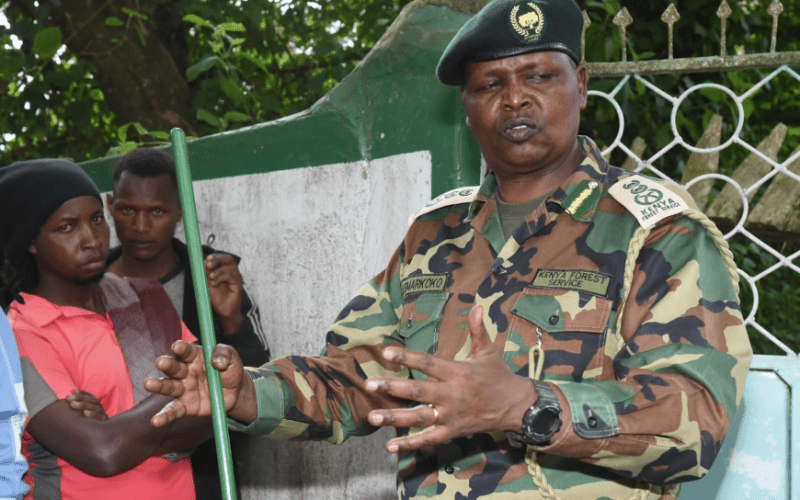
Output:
x,y
505,28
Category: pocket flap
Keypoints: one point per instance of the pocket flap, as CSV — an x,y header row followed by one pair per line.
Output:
x,y
426,309
558,311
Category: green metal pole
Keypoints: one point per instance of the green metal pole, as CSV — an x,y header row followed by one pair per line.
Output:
x,y
197,266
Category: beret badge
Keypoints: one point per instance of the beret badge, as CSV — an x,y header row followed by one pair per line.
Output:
x,y
527,22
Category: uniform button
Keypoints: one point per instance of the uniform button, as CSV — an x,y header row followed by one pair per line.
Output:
x,y
449,469
592,422
554,319
409,323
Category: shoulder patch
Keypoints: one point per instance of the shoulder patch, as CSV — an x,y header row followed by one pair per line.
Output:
x,y
648,200
452,197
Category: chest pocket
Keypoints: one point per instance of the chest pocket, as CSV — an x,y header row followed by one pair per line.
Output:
x,y
419,325
573,326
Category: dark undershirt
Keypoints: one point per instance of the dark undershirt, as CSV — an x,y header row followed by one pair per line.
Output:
x,y
512,214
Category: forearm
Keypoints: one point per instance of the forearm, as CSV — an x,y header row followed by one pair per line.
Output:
x,y
185,434
100,448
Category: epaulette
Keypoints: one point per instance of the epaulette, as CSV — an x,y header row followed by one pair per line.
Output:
x,y
650,200
452,197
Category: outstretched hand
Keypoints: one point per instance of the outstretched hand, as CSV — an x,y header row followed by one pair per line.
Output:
x,y
186,382
479,394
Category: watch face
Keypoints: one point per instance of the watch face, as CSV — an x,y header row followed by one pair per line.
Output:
x,y
547,422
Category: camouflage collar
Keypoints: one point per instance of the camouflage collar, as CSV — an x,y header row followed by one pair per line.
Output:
x,y
579,194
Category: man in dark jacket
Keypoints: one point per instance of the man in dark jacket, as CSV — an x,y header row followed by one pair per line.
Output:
x,y
146,210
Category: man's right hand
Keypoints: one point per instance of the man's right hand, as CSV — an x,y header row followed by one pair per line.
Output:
x,y
186,382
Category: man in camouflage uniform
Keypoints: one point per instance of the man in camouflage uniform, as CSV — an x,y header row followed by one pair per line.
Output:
x,y
613,285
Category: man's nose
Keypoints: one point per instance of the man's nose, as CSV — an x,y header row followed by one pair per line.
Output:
x,y
91,237
516,97
141,223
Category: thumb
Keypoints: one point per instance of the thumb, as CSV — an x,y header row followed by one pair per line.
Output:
x,y
481,344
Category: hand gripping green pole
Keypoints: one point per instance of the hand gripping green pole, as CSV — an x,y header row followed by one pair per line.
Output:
x,y
197,266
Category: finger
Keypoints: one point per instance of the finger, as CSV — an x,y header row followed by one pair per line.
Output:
x,y
224,274
420,361
403,388
172,367
218,259
95,415
165,386
223,357
418,416
429,437
168,414
481,343
185,351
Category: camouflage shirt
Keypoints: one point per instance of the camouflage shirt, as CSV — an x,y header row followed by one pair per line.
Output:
x,y
647,406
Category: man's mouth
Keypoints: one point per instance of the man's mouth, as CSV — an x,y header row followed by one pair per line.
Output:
x,y
518,129
141,243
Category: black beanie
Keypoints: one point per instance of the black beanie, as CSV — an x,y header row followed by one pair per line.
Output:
x,y
30,191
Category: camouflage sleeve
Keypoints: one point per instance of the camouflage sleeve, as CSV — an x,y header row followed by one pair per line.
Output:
x,y
323,398
680,364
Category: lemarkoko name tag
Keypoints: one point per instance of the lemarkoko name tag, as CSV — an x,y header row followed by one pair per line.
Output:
x,y
423,283
647,200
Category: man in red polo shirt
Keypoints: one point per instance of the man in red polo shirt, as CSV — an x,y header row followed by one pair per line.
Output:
x,y
80,330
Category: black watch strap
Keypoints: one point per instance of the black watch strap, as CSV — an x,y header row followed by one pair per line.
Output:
x,y
541,421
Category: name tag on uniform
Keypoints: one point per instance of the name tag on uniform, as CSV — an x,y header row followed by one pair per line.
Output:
x,y
423,283
591,282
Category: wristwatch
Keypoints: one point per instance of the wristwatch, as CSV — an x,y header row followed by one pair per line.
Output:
x,y
541,421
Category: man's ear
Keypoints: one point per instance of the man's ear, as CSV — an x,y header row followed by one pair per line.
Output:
x,y
583,84
468,122
32,248
109,201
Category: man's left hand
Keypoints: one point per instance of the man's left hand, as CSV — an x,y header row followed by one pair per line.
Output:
x,y
479,394
225,288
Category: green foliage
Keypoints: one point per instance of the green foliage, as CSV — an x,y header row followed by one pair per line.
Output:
x,y
245,62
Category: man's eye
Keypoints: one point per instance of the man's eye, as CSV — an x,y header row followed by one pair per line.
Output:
x,y
126,210
157,211
64,228
98,218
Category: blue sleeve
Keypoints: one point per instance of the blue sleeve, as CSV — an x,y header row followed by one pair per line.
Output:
x,y
12,416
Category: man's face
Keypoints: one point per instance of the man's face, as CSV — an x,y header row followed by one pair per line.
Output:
x,y
73,243
145,212
525,110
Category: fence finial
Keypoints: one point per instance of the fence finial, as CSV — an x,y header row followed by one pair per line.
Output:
x,y
724,12
586,23
623,19
775,9
670,16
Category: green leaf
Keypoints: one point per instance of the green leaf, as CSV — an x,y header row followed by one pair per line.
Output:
x,y
96,94
255,60
114,21
125,147
231,89
197,20
208,117
133,13
237,41
204,65
47,42
231,27
158,134
122,133
235,116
